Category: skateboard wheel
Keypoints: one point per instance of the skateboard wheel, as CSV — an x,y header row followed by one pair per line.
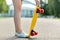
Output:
x,y
41,10
38,11
32,33
36,33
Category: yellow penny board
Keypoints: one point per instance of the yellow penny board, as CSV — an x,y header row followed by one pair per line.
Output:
x,y
34,19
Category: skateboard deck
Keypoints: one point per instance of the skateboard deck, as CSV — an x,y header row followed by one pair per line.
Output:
x,y
34,19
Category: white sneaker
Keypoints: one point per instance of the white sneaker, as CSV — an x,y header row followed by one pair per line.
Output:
x,y
21,35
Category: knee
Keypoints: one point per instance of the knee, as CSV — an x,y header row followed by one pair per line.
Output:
x,y
17,8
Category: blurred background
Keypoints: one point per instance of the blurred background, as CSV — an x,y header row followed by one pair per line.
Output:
x,y
51,7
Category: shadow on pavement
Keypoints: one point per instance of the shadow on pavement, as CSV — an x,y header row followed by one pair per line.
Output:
x,y
12,38
15,38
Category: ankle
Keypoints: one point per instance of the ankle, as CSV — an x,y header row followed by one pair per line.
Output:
x,y
19,31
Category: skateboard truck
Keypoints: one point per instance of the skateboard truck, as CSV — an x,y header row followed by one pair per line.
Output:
x,y
34,19
33,33
40,10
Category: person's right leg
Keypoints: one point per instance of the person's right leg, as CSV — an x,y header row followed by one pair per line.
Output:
x,y
17,9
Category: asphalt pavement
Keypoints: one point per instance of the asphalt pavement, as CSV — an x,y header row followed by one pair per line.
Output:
x,y
48,29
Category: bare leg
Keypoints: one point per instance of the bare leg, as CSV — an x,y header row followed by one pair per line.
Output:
x,y
17,9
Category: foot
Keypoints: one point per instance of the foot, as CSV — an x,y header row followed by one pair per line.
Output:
x,y
21,35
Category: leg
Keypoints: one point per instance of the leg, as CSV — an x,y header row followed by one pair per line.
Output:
x,y
17,9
